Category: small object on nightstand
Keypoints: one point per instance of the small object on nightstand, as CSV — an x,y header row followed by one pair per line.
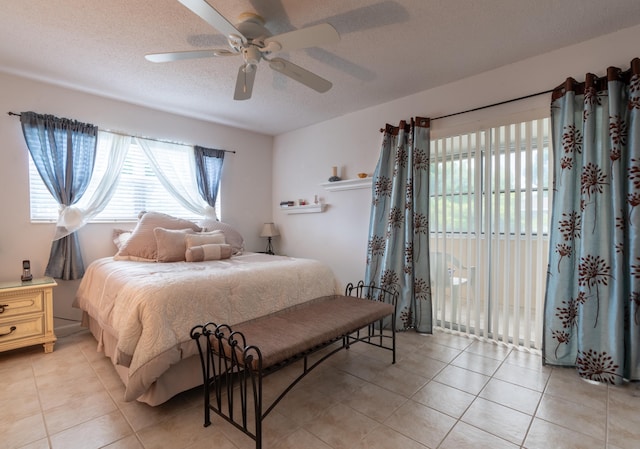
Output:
x,y
334,174
26,271
362,175
269,230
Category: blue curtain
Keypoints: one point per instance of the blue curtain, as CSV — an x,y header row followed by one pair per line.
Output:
x,y
398,245
592,303
208,172
64,153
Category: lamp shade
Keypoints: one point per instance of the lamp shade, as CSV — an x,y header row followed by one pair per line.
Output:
x,y
269,230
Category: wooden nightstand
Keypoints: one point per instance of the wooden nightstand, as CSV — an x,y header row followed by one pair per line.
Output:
x,y
26,314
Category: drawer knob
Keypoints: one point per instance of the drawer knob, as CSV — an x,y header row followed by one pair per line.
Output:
x,y
2,307
11,329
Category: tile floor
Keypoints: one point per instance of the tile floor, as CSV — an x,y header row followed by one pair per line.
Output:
x,y
445,392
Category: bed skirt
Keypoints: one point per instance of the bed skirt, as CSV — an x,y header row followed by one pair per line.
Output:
x,y
181,377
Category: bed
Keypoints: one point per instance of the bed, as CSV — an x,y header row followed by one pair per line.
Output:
x,y
141,311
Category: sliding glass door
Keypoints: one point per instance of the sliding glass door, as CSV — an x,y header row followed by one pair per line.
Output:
x,y
489,217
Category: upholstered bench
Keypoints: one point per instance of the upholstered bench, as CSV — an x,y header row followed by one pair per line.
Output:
x,y
235,360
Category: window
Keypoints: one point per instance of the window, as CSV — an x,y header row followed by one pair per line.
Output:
x,y
452,179
511,184
138,187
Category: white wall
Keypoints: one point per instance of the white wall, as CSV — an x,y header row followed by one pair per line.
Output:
x,y
245,200
303,158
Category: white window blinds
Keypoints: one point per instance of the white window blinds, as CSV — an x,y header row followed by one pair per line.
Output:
x,y
489,216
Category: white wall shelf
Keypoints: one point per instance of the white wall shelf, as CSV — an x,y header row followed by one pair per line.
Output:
x,y
307,209
348,184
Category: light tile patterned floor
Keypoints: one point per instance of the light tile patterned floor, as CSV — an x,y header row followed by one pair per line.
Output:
x,y
446,392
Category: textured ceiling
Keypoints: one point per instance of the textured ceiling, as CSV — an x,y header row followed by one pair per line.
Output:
x,y
388,49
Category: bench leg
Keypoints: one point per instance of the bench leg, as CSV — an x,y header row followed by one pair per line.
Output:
x,y
207,410
393,338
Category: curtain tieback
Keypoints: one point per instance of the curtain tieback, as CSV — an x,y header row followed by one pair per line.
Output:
x,y
210,213
70,219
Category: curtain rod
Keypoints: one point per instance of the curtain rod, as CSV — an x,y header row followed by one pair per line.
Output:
x,y
489,106
140,137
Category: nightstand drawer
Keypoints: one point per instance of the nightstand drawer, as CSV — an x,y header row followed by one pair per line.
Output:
x,y
21,328
21,303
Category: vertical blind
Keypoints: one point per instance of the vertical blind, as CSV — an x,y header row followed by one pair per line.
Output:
x,y
489,217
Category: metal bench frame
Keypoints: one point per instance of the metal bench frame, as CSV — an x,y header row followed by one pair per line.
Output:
x,y
233,371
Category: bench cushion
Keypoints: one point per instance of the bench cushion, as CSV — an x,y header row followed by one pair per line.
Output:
x,y
292,331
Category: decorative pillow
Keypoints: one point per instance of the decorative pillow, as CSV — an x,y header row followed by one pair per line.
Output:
x,y
120,237
171,244
209,251
233,237
204,238
142,243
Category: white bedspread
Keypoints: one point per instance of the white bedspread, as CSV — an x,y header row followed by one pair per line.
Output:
x,y
151,307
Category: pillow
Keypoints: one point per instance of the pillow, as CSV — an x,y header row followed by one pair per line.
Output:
x,y
171,244
209,251
120,237
204,238
233,237
142,243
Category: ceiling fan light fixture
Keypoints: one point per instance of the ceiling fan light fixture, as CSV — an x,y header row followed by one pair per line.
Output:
x,y
251,55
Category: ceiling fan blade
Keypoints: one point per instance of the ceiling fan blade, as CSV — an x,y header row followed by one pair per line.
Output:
x,y
210,15
313,36
244,82
195,54
300,75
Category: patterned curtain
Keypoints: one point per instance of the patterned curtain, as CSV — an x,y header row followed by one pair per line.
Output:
x,y
64,153
208,173
592,304
398,245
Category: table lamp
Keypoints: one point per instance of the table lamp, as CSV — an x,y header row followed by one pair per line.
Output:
x,y
269,230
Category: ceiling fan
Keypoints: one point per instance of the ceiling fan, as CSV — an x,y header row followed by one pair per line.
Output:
x,y
254,42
